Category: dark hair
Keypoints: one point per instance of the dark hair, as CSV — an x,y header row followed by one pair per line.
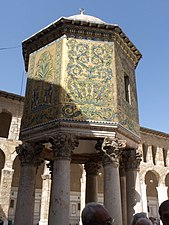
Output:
x,y
163,205
95,213
144,221
138,216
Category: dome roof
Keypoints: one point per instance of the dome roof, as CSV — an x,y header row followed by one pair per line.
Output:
x,y
86,18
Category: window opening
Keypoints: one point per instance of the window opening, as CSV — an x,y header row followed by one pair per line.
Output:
x,y
127,89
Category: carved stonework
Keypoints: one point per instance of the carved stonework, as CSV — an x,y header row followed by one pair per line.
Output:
x,y
131,159
63,145
112,149
50,166
98,145
29,153
92,168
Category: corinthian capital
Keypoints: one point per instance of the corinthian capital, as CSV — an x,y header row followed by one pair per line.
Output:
x,y
92,168
29,153
63,145
131,159
112,149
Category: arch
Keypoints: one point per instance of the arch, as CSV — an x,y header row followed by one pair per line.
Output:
x,y
167,183
5,121
152,180
152,177
2,162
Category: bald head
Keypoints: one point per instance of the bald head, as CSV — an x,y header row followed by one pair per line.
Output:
x,y
143,221
95,213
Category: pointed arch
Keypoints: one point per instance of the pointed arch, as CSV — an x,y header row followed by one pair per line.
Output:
x,y
152,181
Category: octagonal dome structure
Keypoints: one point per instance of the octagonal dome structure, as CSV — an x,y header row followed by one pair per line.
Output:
x,y
81,79
86,18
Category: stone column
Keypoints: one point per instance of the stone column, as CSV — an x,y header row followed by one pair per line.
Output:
x,y
83,193
46,187
112,149
29,155
144,196
123,194
63,146
132,161
5,192
162,193
92,169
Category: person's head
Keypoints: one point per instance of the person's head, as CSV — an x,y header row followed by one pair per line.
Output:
x,y
96,214
138,216
164,212
143,221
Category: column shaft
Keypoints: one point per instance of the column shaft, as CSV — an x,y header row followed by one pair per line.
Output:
x,y
91,188
83,193
60,193
112,196
123,196
29,155
63,146
46,187
91,181
144,196
134,202
131,159
26,196
112,150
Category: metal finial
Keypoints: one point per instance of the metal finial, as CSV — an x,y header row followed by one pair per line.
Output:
x,y
82,11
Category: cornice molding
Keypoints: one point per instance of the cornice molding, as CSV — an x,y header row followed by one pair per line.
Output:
x,y
64,26
12,96
149,131
82,129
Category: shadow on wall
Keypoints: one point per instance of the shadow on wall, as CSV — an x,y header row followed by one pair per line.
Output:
x,y
5,119
46,103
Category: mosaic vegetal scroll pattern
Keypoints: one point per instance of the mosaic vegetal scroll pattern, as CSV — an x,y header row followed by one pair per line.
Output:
x,y
89,78
42,88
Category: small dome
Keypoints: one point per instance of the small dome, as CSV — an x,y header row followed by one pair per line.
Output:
x,y
86,18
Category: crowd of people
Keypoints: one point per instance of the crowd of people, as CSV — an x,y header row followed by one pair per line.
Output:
x,y
96,214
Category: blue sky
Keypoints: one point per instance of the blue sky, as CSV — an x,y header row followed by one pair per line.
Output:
x,y
145,22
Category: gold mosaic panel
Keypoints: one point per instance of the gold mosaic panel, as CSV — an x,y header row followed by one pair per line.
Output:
x,y
42,92
89,81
